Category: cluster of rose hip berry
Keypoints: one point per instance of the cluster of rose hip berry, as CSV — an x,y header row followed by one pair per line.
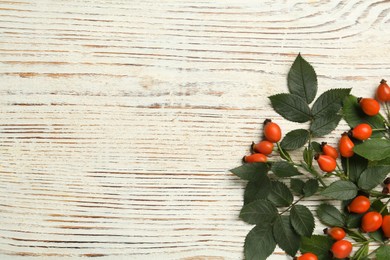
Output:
x,y
371,222
371,107
327,160
272,134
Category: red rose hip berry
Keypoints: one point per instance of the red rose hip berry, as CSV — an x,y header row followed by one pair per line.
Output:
x,y
272,131
326,162
359,205
264,147
383,91
361,132
336,233
346,146
371,221
341,249
386,225
369,106
329,150
256,157
307,256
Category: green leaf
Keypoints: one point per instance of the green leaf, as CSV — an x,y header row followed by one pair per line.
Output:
x,y
291,107
373,176
378,236
259,211
379,206
354,115
383,252
353,220
284,169
297,186
324,125
295,139
280,194
357,236
318,245
316,147
341,190
259,243
357,165
285,235
330,215
361,252
326,111
330,102
251,171
302,220
373,149
302,79
310,188
257,189
308,156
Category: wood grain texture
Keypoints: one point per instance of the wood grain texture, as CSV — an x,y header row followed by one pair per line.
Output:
x,y
120,119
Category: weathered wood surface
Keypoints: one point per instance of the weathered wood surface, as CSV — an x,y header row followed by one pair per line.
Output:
x,y
120,119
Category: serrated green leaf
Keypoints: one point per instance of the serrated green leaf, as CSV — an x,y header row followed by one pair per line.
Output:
x,y
324,125
373,149
255,190
259,243
310,187
383,252
302,220
361,252
259,211
330,102
302,79
357,165
295,139
297,186
373,176
330,215
285,235
291,107
280,194
354,115
341,190
251,171
284,169
318,245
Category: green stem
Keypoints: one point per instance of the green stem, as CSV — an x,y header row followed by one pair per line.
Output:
x,y
282,152
378,194
347,168
378,129
295,202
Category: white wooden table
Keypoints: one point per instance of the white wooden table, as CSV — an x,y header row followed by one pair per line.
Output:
x,y
119,120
